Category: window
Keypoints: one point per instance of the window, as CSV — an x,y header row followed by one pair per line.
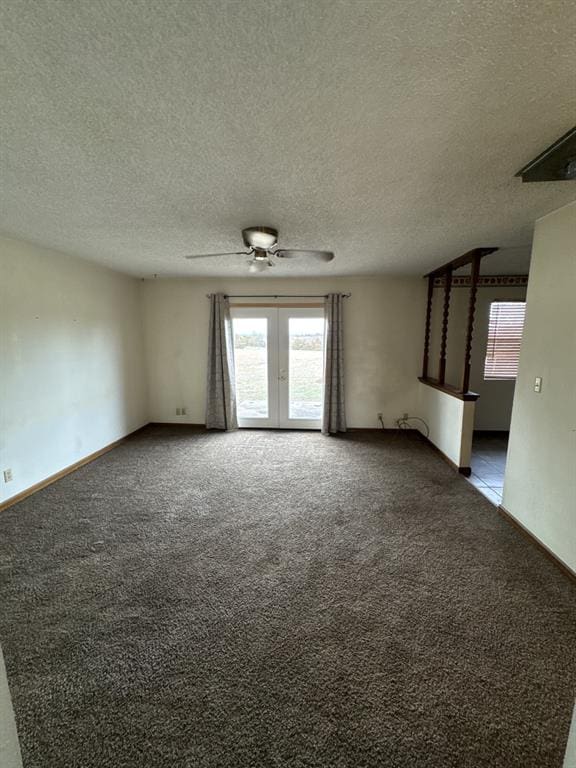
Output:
x,y
504,338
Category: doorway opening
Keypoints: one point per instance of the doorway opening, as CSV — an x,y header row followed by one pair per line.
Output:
x,y
279,361
494,377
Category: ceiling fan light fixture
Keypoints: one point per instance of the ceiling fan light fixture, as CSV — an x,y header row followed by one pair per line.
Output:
x,y
258,265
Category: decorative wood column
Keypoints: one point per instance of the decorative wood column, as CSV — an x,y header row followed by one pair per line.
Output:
x,y
427,329
470,329
445,316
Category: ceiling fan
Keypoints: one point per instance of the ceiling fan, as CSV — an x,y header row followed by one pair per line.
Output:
x,y
262,245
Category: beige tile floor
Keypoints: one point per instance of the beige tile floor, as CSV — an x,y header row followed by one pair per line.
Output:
x,y
488,464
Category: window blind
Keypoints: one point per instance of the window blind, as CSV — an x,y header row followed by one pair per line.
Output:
x,y
504,338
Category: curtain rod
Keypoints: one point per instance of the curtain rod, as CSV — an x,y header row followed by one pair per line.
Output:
x,y
277,295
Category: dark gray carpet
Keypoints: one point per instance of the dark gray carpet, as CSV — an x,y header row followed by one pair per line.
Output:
x,y
280,599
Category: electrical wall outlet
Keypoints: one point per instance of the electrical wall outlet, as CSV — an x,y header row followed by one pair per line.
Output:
x,y
8,475
538,384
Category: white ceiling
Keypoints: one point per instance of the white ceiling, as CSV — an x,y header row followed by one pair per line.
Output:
x,y
388,131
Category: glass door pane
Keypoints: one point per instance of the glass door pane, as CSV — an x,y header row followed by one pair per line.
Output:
x,y
305,367
251,358
255,333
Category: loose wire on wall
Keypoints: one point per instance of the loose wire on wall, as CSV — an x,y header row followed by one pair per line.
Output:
x,y
404,423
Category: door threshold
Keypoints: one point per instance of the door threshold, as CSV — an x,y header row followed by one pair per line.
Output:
x,y
284,429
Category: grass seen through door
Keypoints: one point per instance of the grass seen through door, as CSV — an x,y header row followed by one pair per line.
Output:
x,y
306,374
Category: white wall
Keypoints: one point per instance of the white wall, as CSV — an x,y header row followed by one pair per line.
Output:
x,y
384,324
450,423
71,361
540,482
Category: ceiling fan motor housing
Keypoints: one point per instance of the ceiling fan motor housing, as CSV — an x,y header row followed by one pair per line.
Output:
x,y
260,238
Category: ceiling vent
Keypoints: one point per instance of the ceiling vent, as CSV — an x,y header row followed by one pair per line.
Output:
x,y
557,163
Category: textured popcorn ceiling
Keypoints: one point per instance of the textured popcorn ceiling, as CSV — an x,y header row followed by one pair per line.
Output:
x,y
134,132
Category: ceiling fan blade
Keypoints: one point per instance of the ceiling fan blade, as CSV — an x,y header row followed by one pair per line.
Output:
x,y
212,255
291,254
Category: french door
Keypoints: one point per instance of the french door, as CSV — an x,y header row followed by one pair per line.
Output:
x,y
279,359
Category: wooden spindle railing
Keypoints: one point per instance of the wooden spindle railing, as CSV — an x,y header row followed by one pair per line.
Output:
x,y
470,328
445,272
445,318
428,326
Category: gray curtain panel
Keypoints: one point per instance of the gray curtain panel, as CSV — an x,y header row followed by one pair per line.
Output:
x,y
334,415
221,385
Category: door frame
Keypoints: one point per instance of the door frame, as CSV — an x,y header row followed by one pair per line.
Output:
x,y
271,364
284,315
277,364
